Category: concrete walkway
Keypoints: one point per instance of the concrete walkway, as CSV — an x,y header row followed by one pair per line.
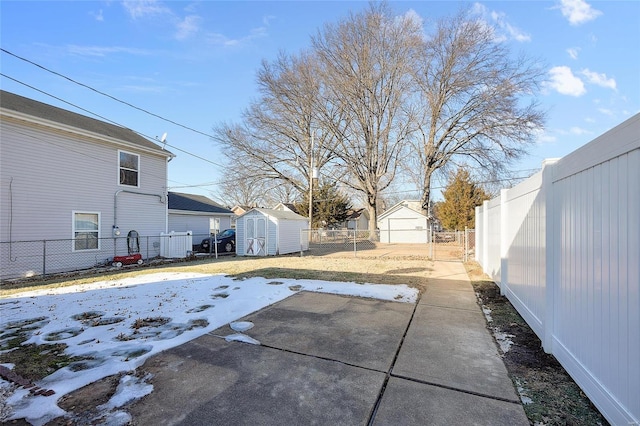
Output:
x,y
328,359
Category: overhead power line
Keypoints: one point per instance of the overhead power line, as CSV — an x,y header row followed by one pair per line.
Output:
x,y
104,94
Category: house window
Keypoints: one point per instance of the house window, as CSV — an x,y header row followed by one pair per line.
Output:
x,y
86,231
214,225
129,166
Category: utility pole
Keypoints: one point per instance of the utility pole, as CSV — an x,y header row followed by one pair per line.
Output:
x,y
311,184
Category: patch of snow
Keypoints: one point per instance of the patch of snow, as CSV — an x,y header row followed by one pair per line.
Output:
x,y
241,325
523,394
487,313
504,340
118,418
239,337
129,389
120,323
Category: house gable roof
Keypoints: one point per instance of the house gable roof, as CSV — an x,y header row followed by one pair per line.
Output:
x,y
356,213
195,203
45,112
286,206
412,205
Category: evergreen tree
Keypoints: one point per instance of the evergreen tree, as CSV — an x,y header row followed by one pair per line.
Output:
x,y
330,206
461,196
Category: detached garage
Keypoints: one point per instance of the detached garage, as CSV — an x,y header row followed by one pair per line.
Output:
x,y
268,232
404,223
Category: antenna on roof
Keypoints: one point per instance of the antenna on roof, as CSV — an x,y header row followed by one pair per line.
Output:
x,y
163,139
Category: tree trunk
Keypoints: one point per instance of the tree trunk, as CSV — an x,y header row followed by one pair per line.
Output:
x,y
426,192
373,222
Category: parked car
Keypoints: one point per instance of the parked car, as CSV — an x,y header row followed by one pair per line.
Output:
x,y
226,241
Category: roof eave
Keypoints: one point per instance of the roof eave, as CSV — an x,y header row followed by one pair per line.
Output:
x,y
81,132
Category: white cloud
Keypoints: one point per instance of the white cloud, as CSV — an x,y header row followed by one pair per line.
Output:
x,y
579,131
504,30
98,16
565,82
599,79
543,137
411,16
573,52
187,27
222,40
143,8
578,11
606,111
104,51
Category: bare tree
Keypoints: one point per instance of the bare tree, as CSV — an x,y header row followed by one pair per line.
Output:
x,y
472,92
277,141
365,64
241,189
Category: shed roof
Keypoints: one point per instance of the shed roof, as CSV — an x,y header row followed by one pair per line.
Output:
x,y
278,214
20,104
195,203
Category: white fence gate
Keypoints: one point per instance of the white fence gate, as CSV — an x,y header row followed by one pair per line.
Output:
x,y
176,245
564,247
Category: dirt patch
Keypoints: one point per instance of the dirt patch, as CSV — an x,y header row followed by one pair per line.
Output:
x,y
549,394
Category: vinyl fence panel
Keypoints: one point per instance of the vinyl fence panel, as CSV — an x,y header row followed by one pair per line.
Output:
x,y
564,246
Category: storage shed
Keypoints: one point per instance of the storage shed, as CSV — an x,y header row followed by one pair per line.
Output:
x,y
268,232
405,222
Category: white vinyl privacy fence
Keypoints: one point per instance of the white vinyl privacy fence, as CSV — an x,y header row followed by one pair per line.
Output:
x,y
564,247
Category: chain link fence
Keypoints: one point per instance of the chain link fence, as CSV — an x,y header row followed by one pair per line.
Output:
x,y
24,259
454,245
326,241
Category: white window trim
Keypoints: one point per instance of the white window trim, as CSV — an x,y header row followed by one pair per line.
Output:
x,y
73,231
139,167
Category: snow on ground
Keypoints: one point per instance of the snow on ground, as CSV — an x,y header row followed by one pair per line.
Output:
x,y
120,323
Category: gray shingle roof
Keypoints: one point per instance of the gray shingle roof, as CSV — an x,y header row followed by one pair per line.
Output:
x,y
195,203
13,102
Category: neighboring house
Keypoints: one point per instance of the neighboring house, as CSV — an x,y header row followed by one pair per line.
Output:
x,y
78,180
358,219
198,214
238,210
289,207
405,222
268,232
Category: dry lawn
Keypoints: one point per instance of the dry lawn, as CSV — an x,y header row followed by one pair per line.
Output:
x,y
410,270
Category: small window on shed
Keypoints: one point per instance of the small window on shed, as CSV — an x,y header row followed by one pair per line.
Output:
x,y
129,166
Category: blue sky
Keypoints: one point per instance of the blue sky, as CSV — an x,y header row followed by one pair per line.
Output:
x,y
194,63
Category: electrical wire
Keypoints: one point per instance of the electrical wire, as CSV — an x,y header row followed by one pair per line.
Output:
x,y
104,94
108,120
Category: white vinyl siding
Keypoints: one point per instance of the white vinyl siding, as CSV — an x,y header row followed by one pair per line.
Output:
x,y
128,169
86,231
37,195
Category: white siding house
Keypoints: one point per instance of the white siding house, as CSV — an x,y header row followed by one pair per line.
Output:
x,y
198,214
71,178
405,222
358,220
268,232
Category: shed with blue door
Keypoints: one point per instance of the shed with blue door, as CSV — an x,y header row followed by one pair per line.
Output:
x,y
268,232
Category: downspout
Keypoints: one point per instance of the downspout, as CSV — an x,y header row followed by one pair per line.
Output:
x,y
115,205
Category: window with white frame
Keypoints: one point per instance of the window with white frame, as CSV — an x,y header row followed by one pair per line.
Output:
x,y
129,167
86,231
214,225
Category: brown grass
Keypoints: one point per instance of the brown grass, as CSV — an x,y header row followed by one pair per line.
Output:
x,y
375,270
